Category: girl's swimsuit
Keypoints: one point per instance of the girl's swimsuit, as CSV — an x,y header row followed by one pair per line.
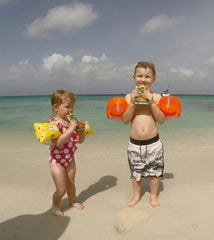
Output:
x,y
64,155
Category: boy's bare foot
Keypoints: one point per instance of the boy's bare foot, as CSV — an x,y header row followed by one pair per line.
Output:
x,y
133,202
154,201
56,211
78,205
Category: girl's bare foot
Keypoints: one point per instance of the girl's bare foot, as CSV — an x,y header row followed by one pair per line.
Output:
x,y
56,211
133,201
154,201
78,205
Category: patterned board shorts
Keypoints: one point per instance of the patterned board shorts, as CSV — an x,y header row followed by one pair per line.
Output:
x,y
146,158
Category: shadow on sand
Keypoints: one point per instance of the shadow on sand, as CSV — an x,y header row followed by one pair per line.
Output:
x,y
146,187
104,183
33,227
45,226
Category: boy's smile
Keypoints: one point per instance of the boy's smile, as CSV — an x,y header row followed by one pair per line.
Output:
x,y
144,77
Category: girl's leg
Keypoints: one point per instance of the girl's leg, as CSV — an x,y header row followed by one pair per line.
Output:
x,y
59,177
154,186
71,189
136,192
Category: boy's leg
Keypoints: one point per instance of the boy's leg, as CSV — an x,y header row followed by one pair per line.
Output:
x,y
136,192
71,189
154,186
59,178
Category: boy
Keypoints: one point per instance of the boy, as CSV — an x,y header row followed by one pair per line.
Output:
x,y
145,150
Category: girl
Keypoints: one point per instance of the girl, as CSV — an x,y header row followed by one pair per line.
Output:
x,y
62,161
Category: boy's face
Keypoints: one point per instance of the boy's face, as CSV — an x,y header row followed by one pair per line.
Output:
x,y
144,77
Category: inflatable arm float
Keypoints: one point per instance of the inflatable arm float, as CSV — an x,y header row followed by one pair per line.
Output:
x,y
45,132
170,106
116,107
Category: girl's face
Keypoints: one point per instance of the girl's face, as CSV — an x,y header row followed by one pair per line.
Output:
x,y
144,77
64,109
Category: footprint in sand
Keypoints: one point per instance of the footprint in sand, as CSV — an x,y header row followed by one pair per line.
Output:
x,y
188,227
127,217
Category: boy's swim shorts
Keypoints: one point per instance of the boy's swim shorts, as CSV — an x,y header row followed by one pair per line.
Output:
x,y
146,158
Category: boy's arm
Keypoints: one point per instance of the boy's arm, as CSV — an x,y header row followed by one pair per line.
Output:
x,y
156,112
129,113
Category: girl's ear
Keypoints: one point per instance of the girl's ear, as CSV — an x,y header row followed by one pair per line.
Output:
x,y
55,107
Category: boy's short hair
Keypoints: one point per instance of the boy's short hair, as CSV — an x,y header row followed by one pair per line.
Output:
x,y
145,65
59,95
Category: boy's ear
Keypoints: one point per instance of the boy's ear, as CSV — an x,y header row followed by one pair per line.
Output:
x,y
154,78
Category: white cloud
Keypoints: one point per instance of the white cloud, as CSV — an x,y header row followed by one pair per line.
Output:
x,y
210,61
203,74
56,62
21,67
95,76
89,59
160,23
184,71
64,18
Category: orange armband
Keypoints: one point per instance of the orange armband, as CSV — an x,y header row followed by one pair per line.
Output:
x,y
170,106
116,107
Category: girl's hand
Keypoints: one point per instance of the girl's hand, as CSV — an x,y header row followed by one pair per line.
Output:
x,y
67,134
73,124
81,131
81,125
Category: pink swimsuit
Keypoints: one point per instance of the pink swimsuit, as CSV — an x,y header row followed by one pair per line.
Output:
x,y
64,155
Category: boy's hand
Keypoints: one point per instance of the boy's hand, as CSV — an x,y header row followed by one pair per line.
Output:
x,y
135,93
148,95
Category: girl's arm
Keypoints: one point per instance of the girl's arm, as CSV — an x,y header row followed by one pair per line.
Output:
x,y
81,131
81,136
62,139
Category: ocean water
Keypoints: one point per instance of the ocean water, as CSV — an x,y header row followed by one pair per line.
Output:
x,y
18,113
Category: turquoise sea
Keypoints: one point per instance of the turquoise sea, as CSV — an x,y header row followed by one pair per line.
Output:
x,y
18,113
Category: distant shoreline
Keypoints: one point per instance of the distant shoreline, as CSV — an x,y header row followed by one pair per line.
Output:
x,y
105,94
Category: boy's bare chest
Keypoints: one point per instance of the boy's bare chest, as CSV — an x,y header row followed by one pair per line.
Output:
x,y
142,110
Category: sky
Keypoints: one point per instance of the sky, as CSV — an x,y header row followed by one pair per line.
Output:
x,y
92,47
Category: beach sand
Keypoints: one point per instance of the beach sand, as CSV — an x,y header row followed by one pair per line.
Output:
x,y
104,187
